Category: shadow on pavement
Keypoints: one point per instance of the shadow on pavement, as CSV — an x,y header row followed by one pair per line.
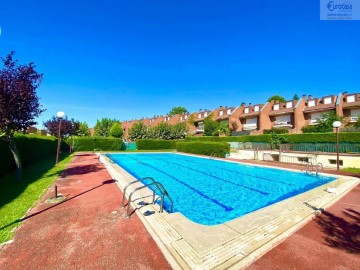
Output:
x,y
55,205
341,233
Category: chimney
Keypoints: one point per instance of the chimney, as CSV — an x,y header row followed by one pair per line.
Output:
x,y
200,110
225,107
304,96
249,104
310,97
220,107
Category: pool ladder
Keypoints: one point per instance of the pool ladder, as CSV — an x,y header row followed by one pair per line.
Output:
x,y
157,186
310,168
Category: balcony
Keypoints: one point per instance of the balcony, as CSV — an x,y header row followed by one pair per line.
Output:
x,y
282,124
314,122
249,126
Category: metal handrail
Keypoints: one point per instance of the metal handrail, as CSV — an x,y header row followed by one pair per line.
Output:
x,y
309,167
158,186
317,168
133,182
164,193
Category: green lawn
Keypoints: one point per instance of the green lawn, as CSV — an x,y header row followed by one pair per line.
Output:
x,y
17,197
351,170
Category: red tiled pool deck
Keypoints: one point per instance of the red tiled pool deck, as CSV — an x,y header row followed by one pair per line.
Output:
x,y
88,231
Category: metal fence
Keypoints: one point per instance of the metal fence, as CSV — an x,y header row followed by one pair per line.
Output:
x,y
322,147
300,147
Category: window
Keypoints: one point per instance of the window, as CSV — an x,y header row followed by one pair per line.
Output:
x,y
199,115
314,117
327,100
251,121
289,104
228,111
303,159
246,110
256,108
221,113
311,103
333,161
186,116
181,118
282,120
205,114
276,107
350,98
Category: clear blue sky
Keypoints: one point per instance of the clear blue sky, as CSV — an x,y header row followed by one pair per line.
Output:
x,y
128,59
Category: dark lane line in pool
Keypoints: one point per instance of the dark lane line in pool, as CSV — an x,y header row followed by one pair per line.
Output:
x,y
256,176
216,177
227,208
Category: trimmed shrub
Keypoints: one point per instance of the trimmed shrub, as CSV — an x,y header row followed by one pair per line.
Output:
x,y
32,148
276,131
148,144
116,130
329,137
218,149
91,143
245,138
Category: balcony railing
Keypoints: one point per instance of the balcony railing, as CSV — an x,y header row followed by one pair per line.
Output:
x,y
353,119
282,124
249,126
314,122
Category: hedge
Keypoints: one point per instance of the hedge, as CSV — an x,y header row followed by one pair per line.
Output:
x,y
32,148
218,149
276,131
91,143
150,144
245,138
346,137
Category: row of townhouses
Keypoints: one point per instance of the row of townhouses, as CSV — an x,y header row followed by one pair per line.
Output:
x,y
292,114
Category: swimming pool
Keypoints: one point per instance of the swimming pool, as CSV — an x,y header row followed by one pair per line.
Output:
x,y
211,192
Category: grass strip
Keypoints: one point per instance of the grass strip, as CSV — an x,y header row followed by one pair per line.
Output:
x,y
16,198
351,170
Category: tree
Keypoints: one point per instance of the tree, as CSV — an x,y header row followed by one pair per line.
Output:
x,y
161,131
179,131
211,127
234,126
325,123
178,110
357,124
19,103
68,127
277,97
224,128
102,127
116,130
138,131
84,130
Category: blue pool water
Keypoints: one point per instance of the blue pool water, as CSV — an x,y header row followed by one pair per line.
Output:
x,y
212,192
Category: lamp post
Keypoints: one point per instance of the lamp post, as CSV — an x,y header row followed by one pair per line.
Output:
x,y
336,125
59,115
